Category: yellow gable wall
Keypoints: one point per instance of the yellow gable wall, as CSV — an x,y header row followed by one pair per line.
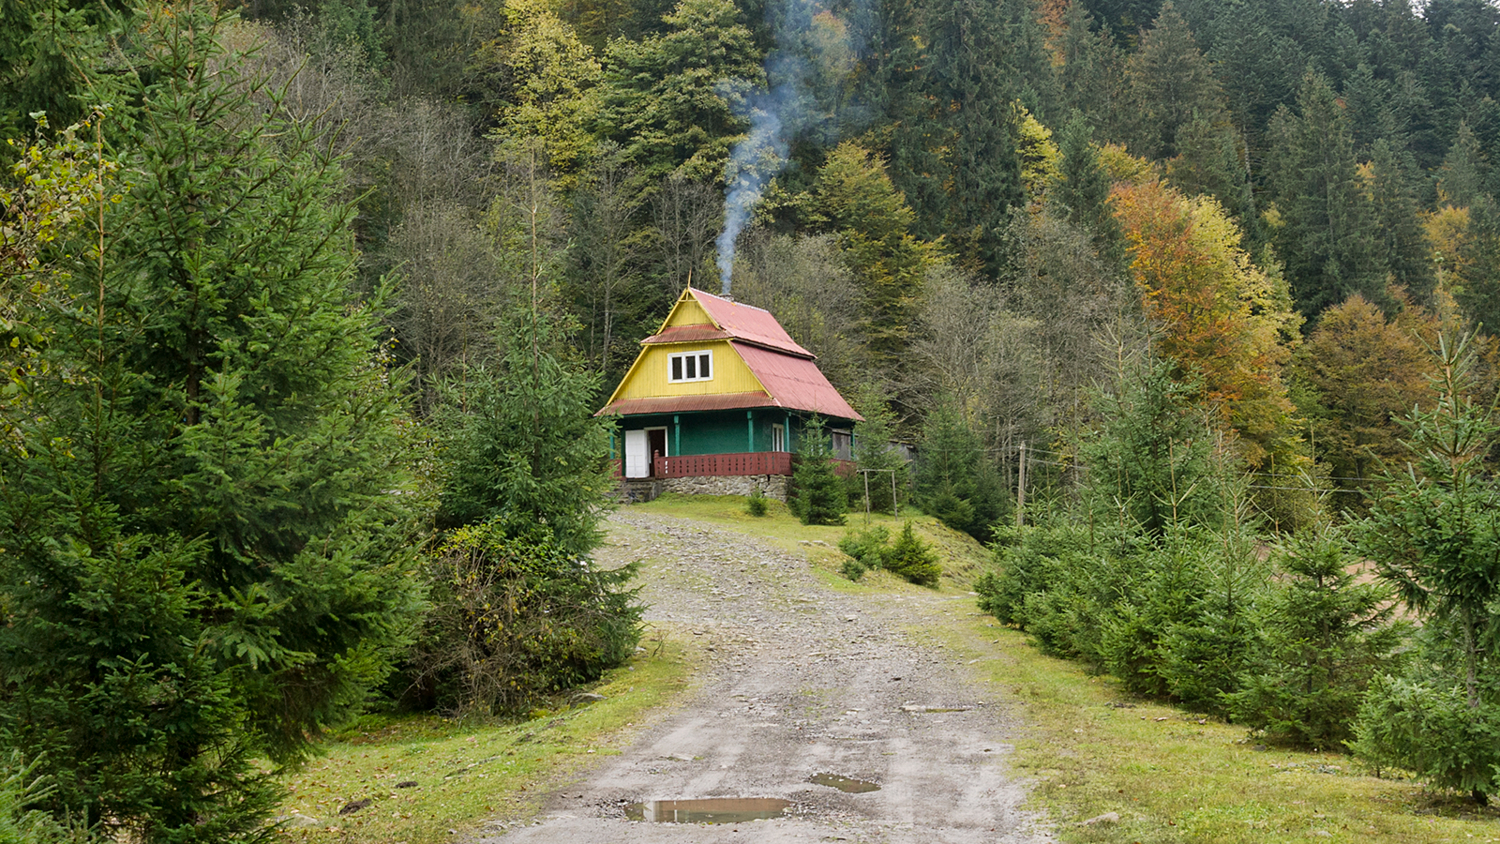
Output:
x,y
648,379
687,312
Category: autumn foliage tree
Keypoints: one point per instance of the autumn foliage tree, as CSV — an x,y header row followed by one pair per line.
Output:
x,y
1218,316
1366,372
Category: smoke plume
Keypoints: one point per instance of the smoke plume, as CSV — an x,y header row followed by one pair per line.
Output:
x,y
814,55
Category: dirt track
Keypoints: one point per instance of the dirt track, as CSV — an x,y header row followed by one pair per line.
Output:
x,y
804,681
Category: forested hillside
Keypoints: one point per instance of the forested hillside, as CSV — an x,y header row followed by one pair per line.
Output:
x,y
289,289
983,204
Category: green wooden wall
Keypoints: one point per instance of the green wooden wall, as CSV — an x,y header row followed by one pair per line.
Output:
x,y
720,432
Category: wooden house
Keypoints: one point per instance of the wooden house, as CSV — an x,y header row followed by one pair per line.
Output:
x,y
717,401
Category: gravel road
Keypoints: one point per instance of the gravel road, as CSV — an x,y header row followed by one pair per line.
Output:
x,y
803,681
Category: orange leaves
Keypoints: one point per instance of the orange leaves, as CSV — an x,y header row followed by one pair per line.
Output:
x,y
1219,316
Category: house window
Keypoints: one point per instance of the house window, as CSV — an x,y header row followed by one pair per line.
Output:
x,y
690,366
778,437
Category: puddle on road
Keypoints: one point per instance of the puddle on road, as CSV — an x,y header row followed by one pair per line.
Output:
x,y
708,810
848,785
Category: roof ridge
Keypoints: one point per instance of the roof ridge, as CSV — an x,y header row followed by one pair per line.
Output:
x,y
730,301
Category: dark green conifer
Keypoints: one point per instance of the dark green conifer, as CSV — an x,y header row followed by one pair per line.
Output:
x,y
913,559
1324,227
1432,532
1326,636
1403,248
817,495
956,481
206,512
519,444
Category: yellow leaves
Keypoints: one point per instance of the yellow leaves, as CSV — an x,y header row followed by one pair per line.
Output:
x,y
1040,158
1447,231
835,57
552,74
1124,167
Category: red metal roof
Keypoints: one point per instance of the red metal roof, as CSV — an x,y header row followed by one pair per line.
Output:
x,y
687,404
687,334
748,323
795,383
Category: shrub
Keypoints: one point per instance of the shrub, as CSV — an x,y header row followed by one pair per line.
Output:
x,y
1051,582
912,559
853,569
755,505
868,546
1039,562
514,618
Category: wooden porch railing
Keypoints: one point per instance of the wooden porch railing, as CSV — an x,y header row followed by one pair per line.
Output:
x,y
713,465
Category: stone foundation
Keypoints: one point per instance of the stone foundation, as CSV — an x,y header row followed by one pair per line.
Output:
x,y
771,486
646,489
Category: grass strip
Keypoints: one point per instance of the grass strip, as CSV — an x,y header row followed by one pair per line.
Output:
x,y
1170,775
428,778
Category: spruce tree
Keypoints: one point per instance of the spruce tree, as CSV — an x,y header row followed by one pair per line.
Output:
x,y
913,559
1082,193
1464,176
206,516
1148,464
817,496
1326,636
1432,532
882,465
956,481
1172,86
982,59
518,444
1403,250
1325,225
1091,66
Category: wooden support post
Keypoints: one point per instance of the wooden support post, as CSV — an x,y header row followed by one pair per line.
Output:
x,y
1021,487
866,473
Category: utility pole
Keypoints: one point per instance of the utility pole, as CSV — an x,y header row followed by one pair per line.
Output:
x,y
1021,488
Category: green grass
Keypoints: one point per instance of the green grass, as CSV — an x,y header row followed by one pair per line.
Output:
x,y
1176,776
468,772
962,556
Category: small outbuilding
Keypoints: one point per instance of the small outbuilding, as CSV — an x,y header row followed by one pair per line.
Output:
x,y
717,401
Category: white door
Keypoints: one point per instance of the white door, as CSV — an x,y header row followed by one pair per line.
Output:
x,y
637,461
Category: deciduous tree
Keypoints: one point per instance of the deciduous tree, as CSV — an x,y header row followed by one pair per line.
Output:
x,y
1224,322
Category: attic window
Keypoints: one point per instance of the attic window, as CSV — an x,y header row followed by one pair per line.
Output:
x,y
690,366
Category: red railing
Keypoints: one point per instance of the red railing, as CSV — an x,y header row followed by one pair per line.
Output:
x,y
713,465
